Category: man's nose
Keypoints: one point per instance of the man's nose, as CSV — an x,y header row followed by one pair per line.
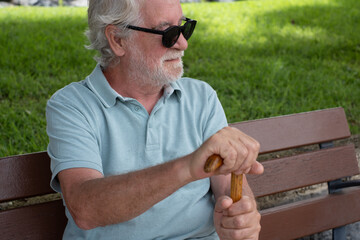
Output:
x,y
181,43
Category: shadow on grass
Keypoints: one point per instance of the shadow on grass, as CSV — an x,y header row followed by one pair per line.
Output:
x,y
285,61
40,54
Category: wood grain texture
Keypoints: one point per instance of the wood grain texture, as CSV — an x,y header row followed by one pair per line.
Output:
x,y
305,169
295,130
310,216
37,222
213,163
236,187
24,176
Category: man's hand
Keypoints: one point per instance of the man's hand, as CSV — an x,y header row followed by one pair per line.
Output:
x,y
239,220
238,151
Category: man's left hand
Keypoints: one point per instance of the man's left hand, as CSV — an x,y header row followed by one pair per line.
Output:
x,y
239,220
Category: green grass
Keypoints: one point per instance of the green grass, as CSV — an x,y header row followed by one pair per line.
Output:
x,y
264,58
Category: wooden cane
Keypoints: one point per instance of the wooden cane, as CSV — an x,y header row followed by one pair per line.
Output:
x,y
213,163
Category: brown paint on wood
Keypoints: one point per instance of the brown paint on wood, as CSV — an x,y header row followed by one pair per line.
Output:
x,y
295,130
24,176
310,216
37,222
305,169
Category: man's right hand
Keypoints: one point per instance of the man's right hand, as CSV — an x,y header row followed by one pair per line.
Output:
x,y
238,150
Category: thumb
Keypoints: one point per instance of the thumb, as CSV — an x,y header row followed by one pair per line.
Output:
x,y
222,204
256,168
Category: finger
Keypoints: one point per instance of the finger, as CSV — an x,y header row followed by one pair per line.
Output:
x,y
246,233
232,150
242,154
246,148
236,222
222,204
256,168
220,144
253,148
248,224
238,150
234,155
245,205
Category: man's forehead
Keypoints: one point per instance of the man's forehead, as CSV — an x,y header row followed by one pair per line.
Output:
x,y
162,12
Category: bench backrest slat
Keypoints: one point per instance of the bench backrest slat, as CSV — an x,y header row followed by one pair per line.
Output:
x,y
305,169
38,222
297,130
24,176
310,216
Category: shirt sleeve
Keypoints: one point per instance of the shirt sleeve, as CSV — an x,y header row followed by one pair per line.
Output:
x,y
216,116
72,141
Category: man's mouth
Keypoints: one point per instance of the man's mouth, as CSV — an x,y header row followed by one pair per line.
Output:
x,y
174,57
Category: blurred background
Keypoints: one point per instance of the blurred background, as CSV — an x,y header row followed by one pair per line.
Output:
x,y
264,58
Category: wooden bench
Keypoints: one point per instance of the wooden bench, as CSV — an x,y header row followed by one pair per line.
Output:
x,y
326,163
28,175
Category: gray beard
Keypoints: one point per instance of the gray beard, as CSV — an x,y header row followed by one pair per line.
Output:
x,y
160,76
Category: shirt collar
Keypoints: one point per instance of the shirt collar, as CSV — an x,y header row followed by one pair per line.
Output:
x,y
101,87
171,89
108,96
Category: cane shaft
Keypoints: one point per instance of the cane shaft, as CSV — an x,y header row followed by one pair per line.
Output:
x,y
236,187
213,163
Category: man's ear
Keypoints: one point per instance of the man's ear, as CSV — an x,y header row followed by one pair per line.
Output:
x,y
115,42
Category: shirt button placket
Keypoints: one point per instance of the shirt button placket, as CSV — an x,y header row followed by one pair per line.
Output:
x,y
152,135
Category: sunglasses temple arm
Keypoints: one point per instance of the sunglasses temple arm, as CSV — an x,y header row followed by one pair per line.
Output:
x,y
146,30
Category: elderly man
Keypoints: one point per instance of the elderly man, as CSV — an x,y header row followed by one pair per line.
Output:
x,y
128,144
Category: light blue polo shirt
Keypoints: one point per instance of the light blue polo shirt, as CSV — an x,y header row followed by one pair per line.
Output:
x,y
91,126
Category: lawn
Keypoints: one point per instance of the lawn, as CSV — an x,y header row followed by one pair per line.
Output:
x,y
264,58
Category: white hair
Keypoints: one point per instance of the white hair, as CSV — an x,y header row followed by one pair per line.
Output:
x,y
105,12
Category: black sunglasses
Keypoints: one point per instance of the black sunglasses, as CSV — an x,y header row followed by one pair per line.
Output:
x,y
171,34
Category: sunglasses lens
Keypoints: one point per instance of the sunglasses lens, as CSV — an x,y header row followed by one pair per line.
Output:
x,y
188,29
171,36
